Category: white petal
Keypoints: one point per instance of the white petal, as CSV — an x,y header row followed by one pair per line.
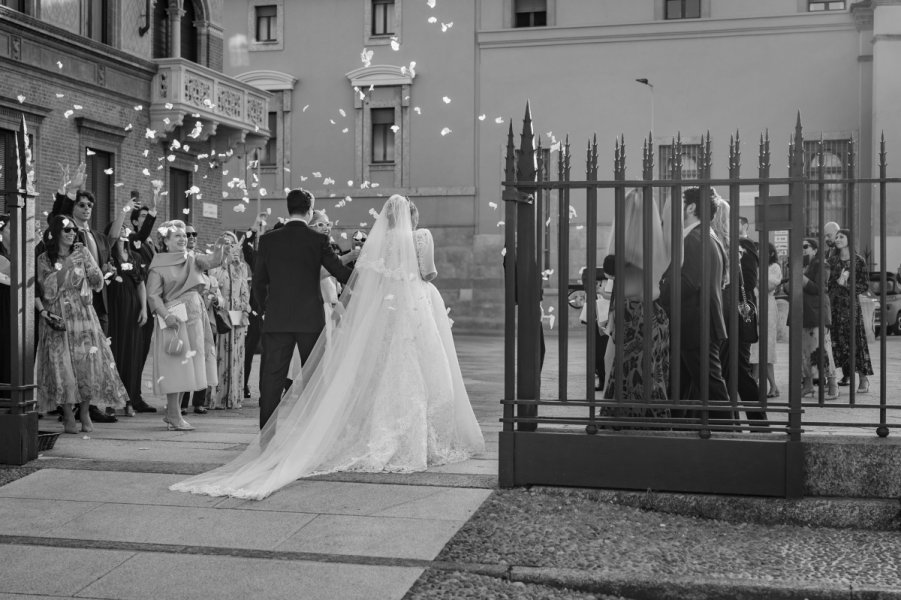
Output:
x,y
305,108
446,100
59,64
90,152
68,113
493,205
500,223
445,131
20,98
239,208
499,120
146,172
168,106
482,117
139,107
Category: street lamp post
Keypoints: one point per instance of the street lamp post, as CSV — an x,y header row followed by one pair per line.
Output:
x,y
644,81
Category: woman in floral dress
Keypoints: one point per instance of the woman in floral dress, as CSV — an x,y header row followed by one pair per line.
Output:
x,y
839,288
232,277
631,341
74,363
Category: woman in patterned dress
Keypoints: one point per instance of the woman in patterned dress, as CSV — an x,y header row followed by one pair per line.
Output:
x,y
839,289
74,362
232,277
632,339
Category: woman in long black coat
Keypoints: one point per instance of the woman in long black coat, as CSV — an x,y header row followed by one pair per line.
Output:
x,y
127,301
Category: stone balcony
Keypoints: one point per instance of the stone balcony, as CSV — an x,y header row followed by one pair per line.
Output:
x,y
206,104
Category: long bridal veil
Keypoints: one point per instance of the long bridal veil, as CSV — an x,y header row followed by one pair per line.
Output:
x,y
382,395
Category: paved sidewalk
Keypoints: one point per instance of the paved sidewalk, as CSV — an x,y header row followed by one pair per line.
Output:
x,y
97,521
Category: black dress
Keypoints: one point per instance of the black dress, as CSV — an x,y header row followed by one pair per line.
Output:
x,y
5,359
126,337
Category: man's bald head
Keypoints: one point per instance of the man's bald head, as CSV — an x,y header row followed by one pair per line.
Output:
x,y
829,231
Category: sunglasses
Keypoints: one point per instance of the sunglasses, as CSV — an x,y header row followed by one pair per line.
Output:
x,y
85,205
191,234
70,229
805,246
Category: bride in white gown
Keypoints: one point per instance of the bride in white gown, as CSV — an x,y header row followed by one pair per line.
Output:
x,y
386,392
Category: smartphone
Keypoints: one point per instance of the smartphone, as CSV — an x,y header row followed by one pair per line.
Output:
x,y
608,286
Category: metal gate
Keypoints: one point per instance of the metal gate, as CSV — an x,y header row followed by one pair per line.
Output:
x,y
679,443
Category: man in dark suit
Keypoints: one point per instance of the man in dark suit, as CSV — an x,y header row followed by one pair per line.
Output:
x,y
140,240
691,296
286,288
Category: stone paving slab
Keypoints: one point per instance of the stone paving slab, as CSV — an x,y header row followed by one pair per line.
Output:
x,y
334,498
55,571
172,450
177,525
161,576
373,536
104,486
447,504
39,516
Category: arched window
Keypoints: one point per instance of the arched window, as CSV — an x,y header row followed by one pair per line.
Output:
x,y
189,34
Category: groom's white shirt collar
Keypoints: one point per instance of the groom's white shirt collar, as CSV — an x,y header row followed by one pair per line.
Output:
x,y
296,218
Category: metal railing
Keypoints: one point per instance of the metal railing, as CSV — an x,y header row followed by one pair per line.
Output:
x,y
529,191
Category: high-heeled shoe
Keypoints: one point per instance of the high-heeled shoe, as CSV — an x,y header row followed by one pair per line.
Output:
x,y
864,387
181,426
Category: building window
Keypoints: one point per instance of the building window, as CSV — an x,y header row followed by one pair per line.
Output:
x,y
382,135
99,183
818,5
691,154
179,200
17,5
530,13
835,195
271,153
8,168
682,9
383,17
98,21
266,23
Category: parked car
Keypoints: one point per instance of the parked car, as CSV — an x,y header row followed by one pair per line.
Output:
x,y
891,312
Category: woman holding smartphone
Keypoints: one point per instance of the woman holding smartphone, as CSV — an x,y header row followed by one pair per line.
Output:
x,y
74,363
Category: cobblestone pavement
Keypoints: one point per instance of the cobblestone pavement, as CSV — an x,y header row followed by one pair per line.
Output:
x,y
599,548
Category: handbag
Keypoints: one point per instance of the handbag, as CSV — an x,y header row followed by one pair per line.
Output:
x,y
174,346
86,293
223,320
748,330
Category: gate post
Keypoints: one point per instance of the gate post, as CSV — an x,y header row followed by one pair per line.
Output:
x,y
527,278
18,420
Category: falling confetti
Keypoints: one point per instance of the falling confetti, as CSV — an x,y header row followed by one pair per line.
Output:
x,y
146,172
316,174
417,110
129,127
445,131
90,152
20,98
345,130
431,3
68,113
77,106
493,205
395,45
60,95
150,133
239,208
500,223
305,108
482,117
108,171
446,100
139,107
365,57
433,20
446,26
341,112
499,120
59,64
395,128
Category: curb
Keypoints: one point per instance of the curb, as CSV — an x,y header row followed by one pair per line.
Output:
x,y
838,513
695,588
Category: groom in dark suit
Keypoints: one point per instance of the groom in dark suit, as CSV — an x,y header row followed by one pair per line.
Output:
x,y
286,288
692,294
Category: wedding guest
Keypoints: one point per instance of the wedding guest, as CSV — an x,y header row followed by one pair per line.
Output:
x,y
601,339
830,229
212,300
127,297
840,288
184,354
811,343
252,339
692,294
748,264
142,248
631,340
78,204
774,278
232,278
74,363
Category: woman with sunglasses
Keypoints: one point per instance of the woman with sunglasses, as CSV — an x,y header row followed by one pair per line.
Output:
x,y
74,363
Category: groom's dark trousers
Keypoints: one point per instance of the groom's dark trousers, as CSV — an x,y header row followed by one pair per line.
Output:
x,y
278,349
286,288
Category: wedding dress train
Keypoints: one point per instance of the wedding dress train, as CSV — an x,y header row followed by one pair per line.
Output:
x,y
384,394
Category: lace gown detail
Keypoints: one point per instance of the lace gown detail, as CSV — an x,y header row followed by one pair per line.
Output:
x,y
384,394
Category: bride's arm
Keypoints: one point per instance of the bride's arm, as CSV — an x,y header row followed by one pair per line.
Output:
x,y
425,253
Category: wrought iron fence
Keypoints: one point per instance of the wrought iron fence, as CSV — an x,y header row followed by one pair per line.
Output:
x,y
641,410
